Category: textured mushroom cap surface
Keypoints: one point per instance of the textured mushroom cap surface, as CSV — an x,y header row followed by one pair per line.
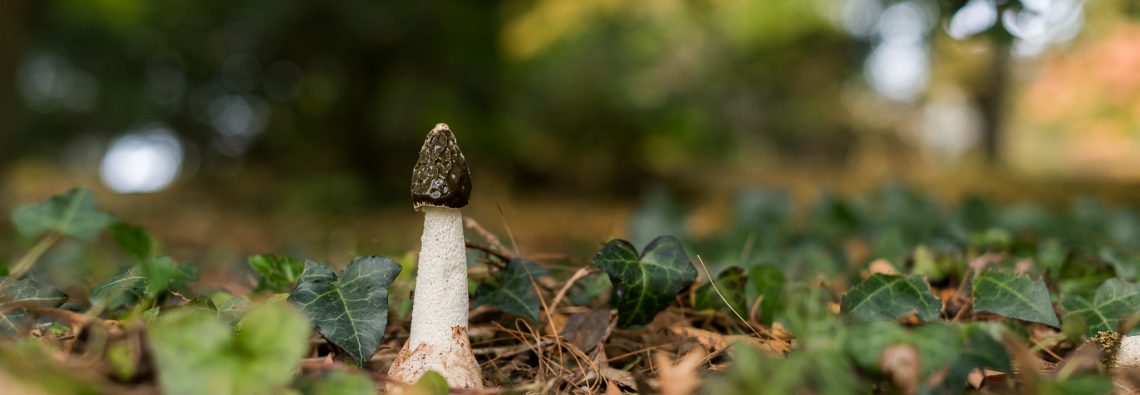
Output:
x,y
441,177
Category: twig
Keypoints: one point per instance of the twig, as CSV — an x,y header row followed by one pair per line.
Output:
x,y
487,235
578,275
507,226
489,250
506,351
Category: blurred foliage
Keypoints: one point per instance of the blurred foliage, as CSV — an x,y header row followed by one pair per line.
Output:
x,y
566,95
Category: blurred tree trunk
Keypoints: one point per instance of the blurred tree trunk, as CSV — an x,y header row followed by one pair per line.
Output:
x,y
991,100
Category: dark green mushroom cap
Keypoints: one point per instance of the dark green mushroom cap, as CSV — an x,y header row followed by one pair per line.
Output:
x,y
441,177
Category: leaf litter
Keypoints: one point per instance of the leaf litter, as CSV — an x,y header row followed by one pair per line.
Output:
x,y
834,305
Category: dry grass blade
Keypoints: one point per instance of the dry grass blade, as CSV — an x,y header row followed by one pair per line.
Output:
x,y
723,299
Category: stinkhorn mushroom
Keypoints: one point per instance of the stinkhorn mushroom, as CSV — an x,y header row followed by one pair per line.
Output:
x,y
441,184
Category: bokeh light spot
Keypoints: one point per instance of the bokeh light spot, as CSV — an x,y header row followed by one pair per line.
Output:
x,y
142,161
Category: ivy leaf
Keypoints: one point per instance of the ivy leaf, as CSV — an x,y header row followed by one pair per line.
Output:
x,y
124,288
1114,300
340,382
133,240
351,310
1126,267
644,285
16,295
768,283
276,273
890,297
1014,296
196,353
432,383
732,283
513,291
71,214
161,275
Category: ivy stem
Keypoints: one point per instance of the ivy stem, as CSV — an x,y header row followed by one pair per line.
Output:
x,y
29,259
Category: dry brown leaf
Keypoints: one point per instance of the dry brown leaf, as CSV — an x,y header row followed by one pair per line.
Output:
x,y
587,330
716,341
619,377
612,390
680,378
879,266
978,378
901,363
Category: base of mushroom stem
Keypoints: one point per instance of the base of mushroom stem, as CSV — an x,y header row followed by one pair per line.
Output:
x,y
455,361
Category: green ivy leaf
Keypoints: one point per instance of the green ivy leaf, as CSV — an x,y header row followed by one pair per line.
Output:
x,y
350,311
768,283
16,295
124,288
1126,267
645,285
161,275
276,273
196,353
432,383
71,214
890,297
1114,300
339,382
1014,296
513,291
133,240
732,283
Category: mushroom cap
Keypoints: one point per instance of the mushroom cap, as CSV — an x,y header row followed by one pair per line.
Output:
x,y
441,177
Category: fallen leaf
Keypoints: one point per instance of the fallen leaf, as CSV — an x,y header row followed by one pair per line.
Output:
x,y
901,363
680,378
716,341
982,377
880,266
587,330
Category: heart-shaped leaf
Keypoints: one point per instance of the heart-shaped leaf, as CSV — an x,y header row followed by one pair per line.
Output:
x,y
196,353
513,290
646,284
1014,296
732,284
350,310
890,297
276,273
16,295
71,214
1114,300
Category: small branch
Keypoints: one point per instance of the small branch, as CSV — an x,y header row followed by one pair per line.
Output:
x,y
505,257
578,275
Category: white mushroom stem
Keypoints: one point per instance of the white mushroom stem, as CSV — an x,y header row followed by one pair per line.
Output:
x,y
438,340
440,302
1129,353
